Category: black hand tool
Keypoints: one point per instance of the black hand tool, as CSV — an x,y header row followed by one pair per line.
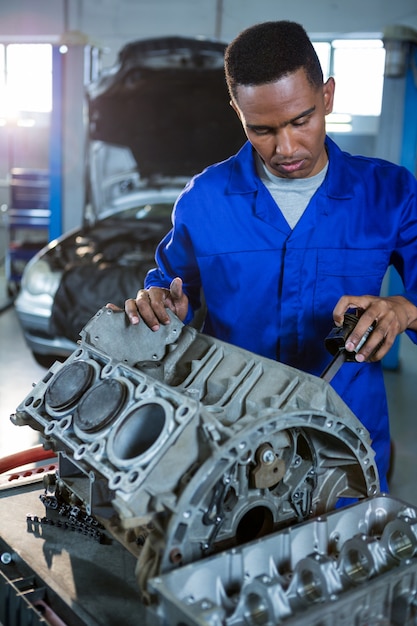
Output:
x,y
335,344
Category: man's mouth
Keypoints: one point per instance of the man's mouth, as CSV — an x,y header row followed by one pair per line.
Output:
x,y
289,167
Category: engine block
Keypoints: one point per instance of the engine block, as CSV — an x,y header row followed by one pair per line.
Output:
x,y
204,443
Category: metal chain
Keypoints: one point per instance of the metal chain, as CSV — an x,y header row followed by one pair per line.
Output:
x,y
68,518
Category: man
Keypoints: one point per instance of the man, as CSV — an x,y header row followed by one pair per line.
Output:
x,y
291,231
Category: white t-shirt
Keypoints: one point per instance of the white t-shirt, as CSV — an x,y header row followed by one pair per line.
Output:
x,y
292,195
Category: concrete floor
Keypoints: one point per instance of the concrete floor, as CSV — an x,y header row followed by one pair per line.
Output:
x,y
19,371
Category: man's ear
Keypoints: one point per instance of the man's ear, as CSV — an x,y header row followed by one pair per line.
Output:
x,y
328,95
235,108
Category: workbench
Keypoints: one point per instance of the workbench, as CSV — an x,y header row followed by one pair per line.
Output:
x,y
84,582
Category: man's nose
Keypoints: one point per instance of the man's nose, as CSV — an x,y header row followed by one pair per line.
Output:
x,y
285,144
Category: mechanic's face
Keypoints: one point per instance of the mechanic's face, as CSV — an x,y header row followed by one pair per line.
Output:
x,y
285,123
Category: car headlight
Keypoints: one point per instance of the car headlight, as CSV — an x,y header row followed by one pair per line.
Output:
x,y
38,278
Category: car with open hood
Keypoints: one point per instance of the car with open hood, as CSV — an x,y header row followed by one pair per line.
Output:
x,y
160,115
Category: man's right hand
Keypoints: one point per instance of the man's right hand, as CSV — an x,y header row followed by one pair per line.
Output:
x,y
151,304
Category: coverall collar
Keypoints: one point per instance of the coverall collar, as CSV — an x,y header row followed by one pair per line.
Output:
x,y
244,178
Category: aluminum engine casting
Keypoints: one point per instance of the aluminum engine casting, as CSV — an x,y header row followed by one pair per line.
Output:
x,y
210,444
353,567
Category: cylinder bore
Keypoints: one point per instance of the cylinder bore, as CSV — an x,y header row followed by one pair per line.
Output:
x,y
69,385
138,431
100,405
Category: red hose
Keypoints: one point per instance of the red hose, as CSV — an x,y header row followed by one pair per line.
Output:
x,y
31,455
50,615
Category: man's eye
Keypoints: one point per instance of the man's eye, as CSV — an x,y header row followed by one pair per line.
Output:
x,y
301,122
261,131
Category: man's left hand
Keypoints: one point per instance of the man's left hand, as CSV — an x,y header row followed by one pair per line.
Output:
x,y
390,316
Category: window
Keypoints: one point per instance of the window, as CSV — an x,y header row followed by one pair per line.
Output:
x,y
358,69
324,50
25,79
357,66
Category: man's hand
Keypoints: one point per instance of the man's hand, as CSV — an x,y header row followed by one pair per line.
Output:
x,y
151,304
391,316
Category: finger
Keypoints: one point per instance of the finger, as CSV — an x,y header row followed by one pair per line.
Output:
x,y
383,336
131,311
113,307
364,327
175,289
148,308
377,339
178,299
381,350
375,346
349,302
160,300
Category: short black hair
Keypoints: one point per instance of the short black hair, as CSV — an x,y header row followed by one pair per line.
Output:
x,y
266,52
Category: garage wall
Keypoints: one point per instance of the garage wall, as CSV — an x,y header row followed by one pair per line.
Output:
x,y
111,23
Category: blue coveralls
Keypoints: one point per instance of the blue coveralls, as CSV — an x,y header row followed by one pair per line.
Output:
x,y
272,290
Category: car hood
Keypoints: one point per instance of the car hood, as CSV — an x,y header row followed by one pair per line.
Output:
x,y
160,113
